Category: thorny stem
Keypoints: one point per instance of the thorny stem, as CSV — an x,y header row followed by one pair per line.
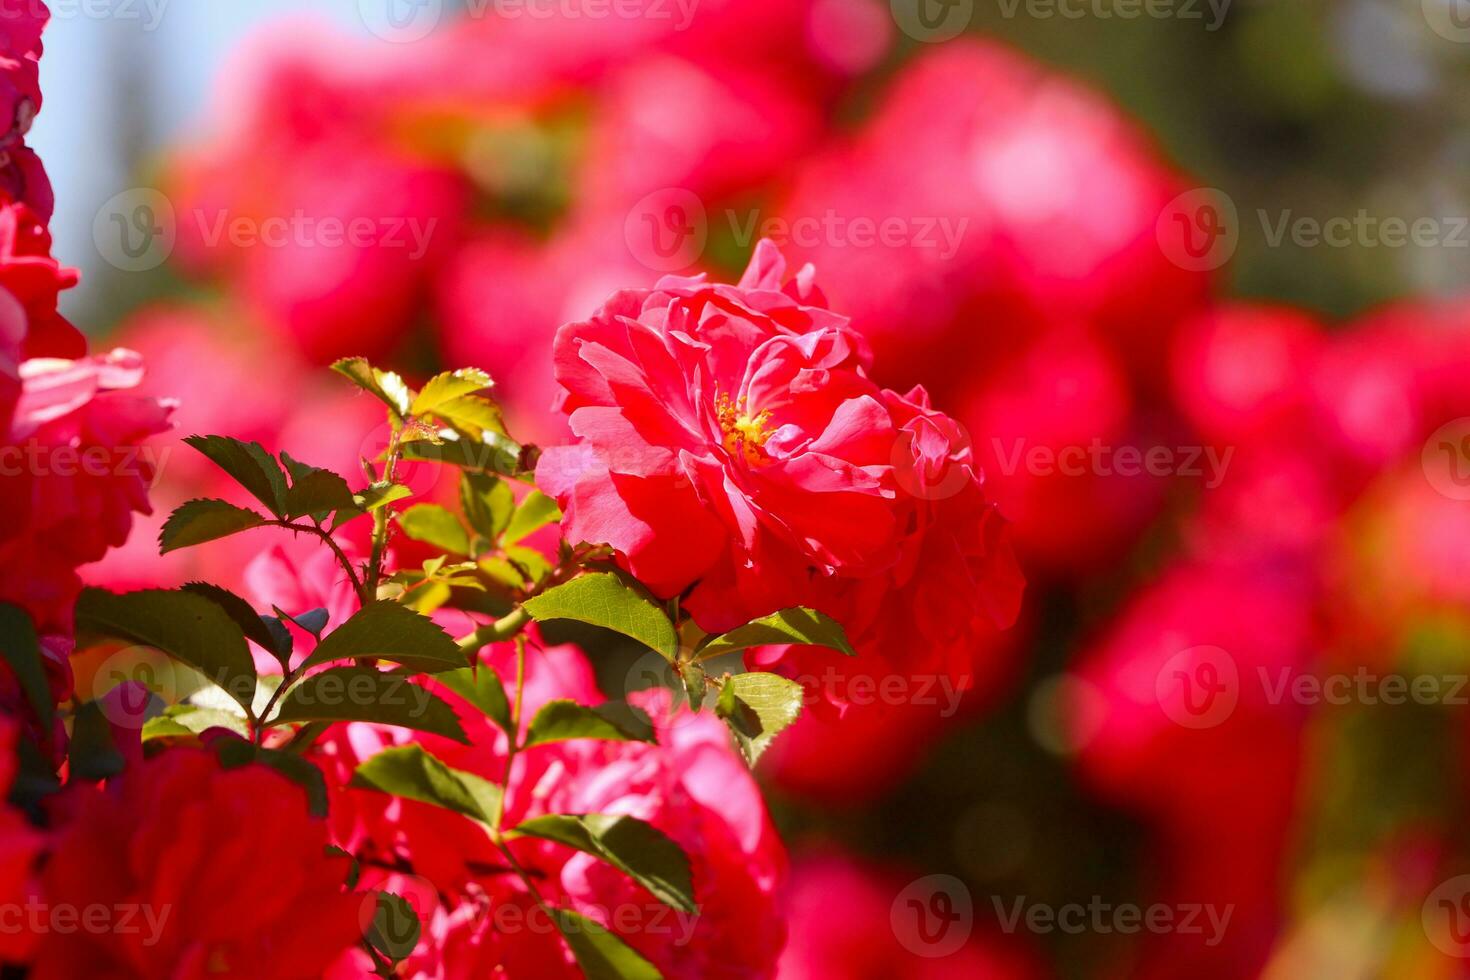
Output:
x,y
342,559
381,517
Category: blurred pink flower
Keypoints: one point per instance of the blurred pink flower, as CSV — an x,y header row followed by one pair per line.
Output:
x,y
1036,203
842,916
76,475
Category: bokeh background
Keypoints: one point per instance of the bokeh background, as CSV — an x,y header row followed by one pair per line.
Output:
x,y
1236,449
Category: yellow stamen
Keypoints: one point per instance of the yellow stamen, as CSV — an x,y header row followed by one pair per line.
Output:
x,y
744,435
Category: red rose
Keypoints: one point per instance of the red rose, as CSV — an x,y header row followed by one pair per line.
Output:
x,y
226,872
731,442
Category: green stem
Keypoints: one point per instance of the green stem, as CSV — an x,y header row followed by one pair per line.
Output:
x,y
381,518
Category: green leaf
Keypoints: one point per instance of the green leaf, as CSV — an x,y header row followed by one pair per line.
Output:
x,y
249,465
165,727
318,492
199,521
694,676
488,503
603,599
473,416
775,702
313,620
21,649
380,495
434,525
366,694
385,386
490,452
93,751
275,641
638,849
600,954
740,716
561,721
534,513
449,386
802,626
195,720
481,687
188,627
396,928
235,753
413,774
386,630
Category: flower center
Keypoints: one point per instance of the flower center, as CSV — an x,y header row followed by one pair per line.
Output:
x,y
743,434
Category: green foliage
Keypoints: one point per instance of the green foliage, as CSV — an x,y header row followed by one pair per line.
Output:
x,y
199,521
249,465
488,504
636,848
385,386
434,525
395,929
600,954
481,687
414,774
21,650
534,513
801,626
603,599
562,721
184,625
366,694
767,700
264,630
93,753
444,390
386,630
